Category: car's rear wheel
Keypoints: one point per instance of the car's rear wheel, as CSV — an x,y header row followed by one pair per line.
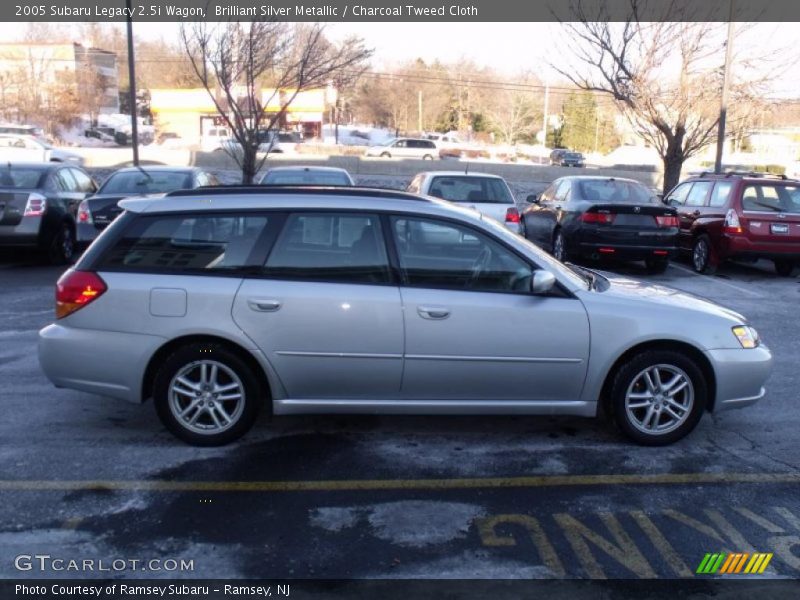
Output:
x,y
386,155
658,397
656,266
784,268
427,157
61,248
206,395
702,259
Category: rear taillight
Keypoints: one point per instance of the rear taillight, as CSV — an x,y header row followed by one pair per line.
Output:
x,y
732,224
76,289
512,215
602,218
35,206
84,214
667,221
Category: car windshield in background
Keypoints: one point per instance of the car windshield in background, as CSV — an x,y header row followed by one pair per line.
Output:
x,y
470,189
305,178
771,198
21,178
573,155
147,182
614,191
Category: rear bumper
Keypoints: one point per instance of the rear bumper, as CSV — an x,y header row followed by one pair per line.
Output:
x,y
85,232
740,376
742,247
99,362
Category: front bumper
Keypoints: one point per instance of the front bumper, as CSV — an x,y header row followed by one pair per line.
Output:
x,y
740,375
107,363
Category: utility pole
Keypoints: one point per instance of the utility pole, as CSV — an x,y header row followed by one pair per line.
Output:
x,y
723,108
419,110
132,89
544,120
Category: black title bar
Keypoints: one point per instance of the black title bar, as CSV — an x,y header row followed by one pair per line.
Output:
x,y
411,11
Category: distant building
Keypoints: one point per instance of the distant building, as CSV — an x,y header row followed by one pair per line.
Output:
x,y
89,73
191,113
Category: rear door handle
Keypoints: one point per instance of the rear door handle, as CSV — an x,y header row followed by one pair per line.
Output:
x,y
433,312
262,305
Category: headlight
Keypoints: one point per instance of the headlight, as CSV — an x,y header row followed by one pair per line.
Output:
x,y
747,336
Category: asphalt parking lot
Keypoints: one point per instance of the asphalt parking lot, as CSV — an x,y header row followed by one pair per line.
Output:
x,y
85,477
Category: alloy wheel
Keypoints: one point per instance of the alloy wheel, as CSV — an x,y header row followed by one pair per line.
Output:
x,y
659,399
206,397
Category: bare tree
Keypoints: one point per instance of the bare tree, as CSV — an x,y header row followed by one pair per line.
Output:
x,y
664,76
512,114
236,61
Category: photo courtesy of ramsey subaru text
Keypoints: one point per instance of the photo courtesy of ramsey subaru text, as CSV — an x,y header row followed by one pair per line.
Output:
x,y
222,302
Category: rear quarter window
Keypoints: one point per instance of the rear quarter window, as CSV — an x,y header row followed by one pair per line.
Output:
x,y
186,243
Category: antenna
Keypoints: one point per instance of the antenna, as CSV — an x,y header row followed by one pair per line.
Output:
x,y
466,169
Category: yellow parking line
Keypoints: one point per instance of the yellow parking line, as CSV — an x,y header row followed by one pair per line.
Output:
x,y
538,481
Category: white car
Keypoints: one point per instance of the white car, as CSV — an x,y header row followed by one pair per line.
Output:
x,y
405,148
488,194
26,148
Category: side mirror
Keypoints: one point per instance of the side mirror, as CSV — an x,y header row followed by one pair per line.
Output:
x,y
542,281
532,199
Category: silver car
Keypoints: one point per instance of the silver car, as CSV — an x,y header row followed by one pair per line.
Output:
x,y
221,302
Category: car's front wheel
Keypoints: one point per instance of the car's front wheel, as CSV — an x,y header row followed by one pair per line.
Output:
x,y
206,395
386,155
658,397
61,247
560,247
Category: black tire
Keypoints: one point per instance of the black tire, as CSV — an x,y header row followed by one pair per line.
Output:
x,y
656,266
702,259
60,249
427,157
386,155
784,268
559,250
627,376
242,418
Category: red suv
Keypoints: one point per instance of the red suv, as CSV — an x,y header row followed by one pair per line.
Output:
x,y
739,216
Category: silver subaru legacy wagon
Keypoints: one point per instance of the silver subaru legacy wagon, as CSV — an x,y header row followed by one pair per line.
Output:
x,y
218,303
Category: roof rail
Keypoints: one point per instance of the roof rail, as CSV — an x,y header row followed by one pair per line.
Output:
x,y
756,174
230,190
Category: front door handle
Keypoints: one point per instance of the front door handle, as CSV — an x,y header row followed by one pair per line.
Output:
x,y
433,312
262,305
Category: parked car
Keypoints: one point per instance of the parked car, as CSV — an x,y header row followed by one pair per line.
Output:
x,y
738,216
488,194
567,158
15,129
38,206
405,148
218,302
27,148
269,142
307,176
98,211
602,217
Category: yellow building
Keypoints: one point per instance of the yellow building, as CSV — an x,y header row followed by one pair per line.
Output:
x,y
191,113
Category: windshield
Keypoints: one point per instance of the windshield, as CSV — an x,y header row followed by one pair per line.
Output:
x,y
771,198
146,182
306,178
471,189
388,142
542,258
615,191
20,178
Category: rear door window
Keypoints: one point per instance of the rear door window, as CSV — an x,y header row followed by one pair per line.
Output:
x,y
331,247
722,191
187,243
